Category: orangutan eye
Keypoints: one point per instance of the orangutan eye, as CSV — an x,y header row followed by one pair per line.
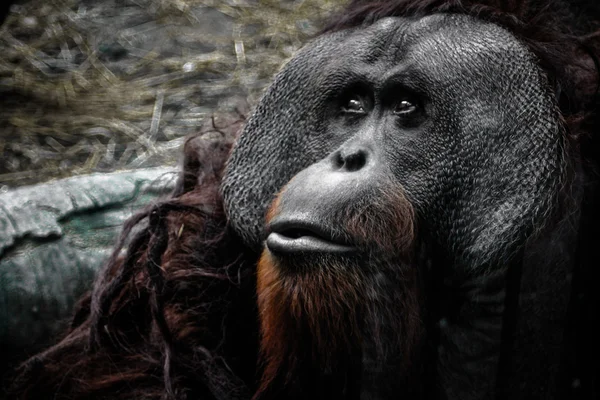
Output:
x,y
405,107
355,106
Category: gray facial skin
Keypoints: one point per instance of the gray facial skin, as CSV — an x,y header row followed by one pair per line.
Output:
x,y
456,112
481,160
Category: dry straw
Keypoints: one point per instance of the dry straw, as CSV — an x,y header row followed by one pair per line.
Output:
x,y
103,85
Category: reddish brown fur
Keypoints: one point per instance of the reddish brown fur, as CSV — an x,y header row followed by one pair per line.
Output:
x,y
384,221
324,305
325,302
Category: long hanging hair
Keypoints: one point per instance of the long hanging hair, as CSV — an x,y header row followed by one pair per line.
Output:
x,y
171,316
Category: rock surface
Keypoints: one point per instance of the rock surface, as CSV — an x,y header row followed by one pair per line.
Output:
x,y
53,239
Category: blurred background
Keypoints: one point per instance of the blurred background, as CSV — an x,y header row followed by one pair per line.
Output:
x,y
99,85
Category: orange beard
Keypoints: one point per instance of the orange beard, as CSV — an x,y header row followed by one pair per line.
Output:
x,y
319,315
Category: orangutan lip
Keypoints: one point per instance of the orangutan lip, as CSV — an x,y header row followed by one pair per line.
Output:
x,y
289,237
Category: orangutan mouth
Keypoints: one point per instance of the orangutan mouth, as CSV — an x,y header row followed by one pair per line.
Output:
x,y
287,236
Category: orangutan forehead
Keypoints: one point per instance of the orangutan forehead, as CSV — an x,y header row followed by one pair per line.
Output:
x,y
437,48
